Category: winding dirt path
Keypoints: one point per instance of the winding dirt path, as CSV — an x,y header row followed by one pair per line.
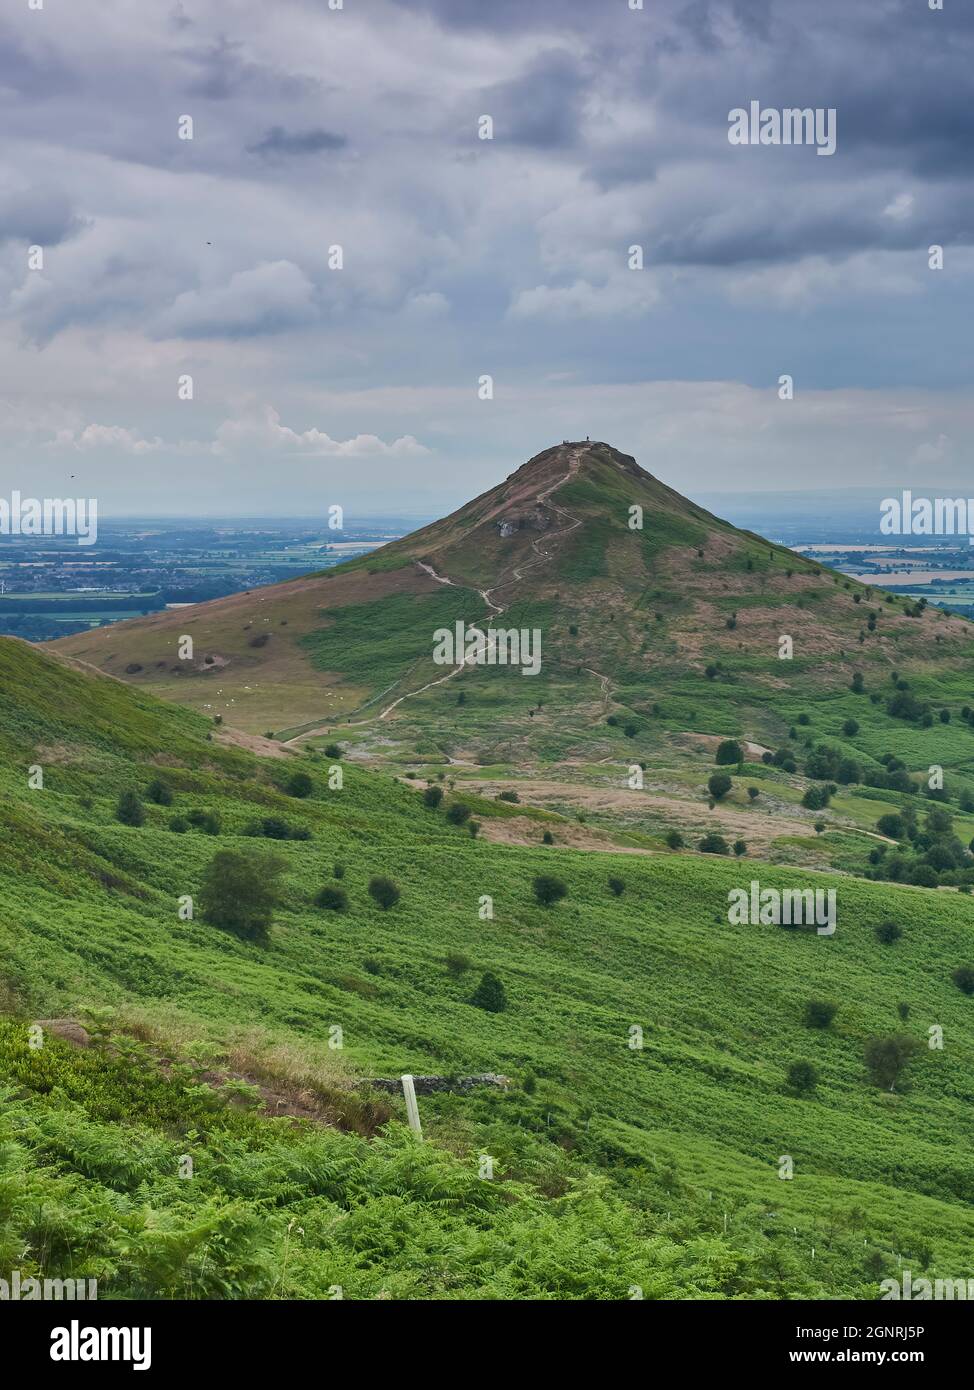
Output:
x,y
543,556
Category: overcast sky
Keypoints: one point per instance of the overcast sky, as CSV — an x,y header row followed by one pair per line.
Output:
x,y
463,257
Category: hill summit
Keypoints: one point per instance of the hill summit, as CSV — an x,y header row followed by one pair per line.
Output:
x,y
635,590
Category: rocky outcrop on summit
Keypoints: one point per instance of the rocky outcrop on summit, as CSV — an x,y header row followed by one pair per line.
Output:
x,y
534,520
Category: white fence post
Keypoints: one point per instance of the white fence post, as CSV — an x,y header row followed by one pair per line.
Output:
x,y
412,1109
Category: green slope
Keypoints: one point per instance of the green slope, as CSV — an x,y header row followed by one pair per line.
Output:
x,y
613,1167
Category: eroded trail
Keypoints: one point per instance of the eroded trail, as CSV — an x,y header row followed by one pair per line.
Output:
x,y
542,499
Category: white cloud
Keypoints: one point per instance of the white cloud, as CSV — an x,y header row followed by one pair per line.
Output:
x,y
264,430
115,437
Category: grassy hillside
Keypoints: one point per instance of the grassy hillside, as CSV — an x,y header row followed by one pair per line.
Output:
x,y
613,1166
651,608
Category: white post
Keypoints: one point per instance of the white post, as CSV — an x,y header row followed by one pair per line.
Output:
x,y
412,1109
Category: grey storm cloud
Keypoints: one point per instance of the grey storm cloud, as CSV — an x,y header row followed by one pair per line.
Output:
x,y
42,217
280,142
357,129
541,106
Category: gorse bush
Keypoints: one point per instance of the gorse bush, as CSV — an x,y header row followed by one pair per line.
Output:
x,y
158,792
384,891
240,893
130,810
299,784
276,828
963,978
719,784
887,1058
802,1077
548,889
888,932
489,994
335,899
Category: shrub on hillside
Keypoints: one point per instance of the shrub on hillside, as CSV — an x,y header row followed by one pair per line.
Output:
x,y
850,727
299,784
384,891
489,994
819,1013
740,848
816,798
130,810
332,750
712,843
891,825
508,795
432,797
549,890
617,886
730,751
753,793
887,1058
923,876
802,1077
240,893
674,839
158,792
274,828
888,932
903,705
457,963
335,899
547,838
963,978
458,813
719,784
